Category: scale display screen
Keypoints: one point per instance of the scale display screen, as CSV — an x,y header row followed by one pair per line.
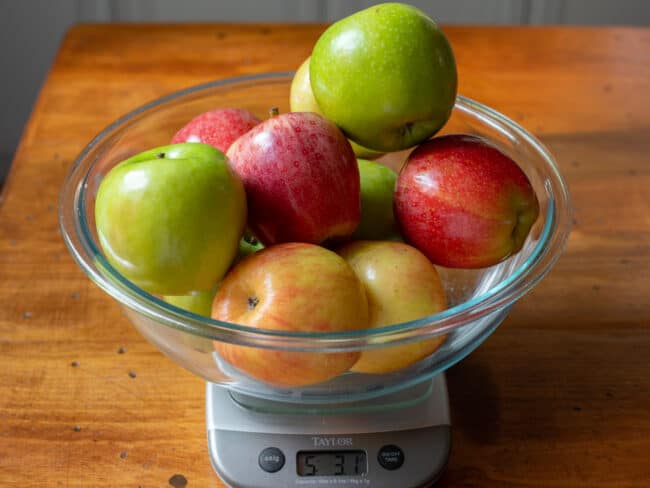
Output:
x,y
332,463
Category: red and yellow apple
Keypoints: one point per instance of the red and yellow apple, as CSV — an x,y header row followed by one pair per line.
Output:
x,y
301,179
463,202
401,285
218,128
291,287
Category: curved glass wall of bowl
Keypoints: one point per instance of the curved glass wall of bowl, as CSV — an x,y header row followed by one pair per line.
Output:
x,y
479,299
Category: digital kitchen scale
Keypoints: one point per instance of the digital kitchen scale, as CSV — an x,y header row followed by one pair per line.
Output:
x,y
401,440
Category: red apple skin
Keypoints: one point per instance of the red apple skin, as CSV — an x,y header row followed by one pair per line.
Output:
x,y
293,287
301,179
463,202
219,128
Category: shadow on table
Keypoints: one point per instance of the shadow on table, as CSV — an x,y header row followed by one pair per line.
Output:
x,y
474,401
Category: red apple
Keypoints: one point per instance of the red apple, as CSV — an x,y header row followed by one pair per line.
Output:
x,y
294,287
463,202
219,127
301,179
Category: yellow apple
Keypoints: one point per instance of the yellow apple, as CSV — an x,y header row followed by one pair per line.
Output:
x,y
293,287
401,285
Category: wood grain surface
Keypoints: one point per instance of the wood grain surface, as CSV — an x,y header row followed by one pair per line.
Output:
x,y
558,396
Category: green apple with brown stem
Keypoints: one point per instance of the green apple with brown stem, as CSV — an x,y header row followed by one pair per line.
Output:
x,y
385,75
169,219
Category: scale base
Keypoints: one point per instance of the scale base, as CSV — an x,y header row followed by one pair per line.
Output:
x,y
404,439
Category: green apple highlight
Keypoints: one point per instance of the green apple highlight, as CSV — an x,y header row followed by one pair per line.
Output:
x,y
385,75
169,219
301,99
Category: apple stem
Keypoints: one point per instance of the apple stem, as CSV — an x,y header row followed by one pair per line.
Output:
x,y
160,155
274,111
251,239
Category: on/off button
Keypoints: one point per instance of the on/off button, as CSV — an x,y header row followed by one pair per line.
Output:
x,y
390,457
271,459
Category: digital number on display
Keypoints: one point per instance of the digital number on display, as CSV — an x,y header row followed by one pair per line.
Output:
x,y
331,463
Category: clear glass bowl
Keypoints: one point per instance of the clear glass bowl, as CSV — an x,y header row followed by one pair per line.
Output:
x,y
479,299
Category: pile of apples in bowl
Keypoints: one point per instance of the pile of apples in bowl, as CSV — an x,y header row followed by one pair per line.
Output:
x,y
248,235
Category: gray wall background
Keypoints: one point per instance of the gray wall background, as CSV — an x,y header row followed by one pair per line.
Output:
x,y
30,30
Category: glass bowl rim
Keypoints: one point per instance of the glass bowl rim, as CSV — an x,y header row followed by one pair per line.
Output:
x,y
89,257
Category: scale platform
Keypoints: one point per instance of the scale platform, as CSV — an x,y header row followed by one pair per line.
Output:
x,y
398,440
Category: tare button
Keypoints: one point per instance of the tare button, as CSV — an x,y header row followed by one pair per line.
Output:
x,y
390,457
271,459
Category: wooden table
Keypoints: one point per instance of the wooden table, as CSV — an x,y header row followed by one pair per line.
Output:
x,y
558,396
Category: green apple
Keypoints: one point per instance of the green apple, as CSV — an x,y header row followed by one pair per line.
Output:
x,y
377,188
301,99
169,219
385,75
199,303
